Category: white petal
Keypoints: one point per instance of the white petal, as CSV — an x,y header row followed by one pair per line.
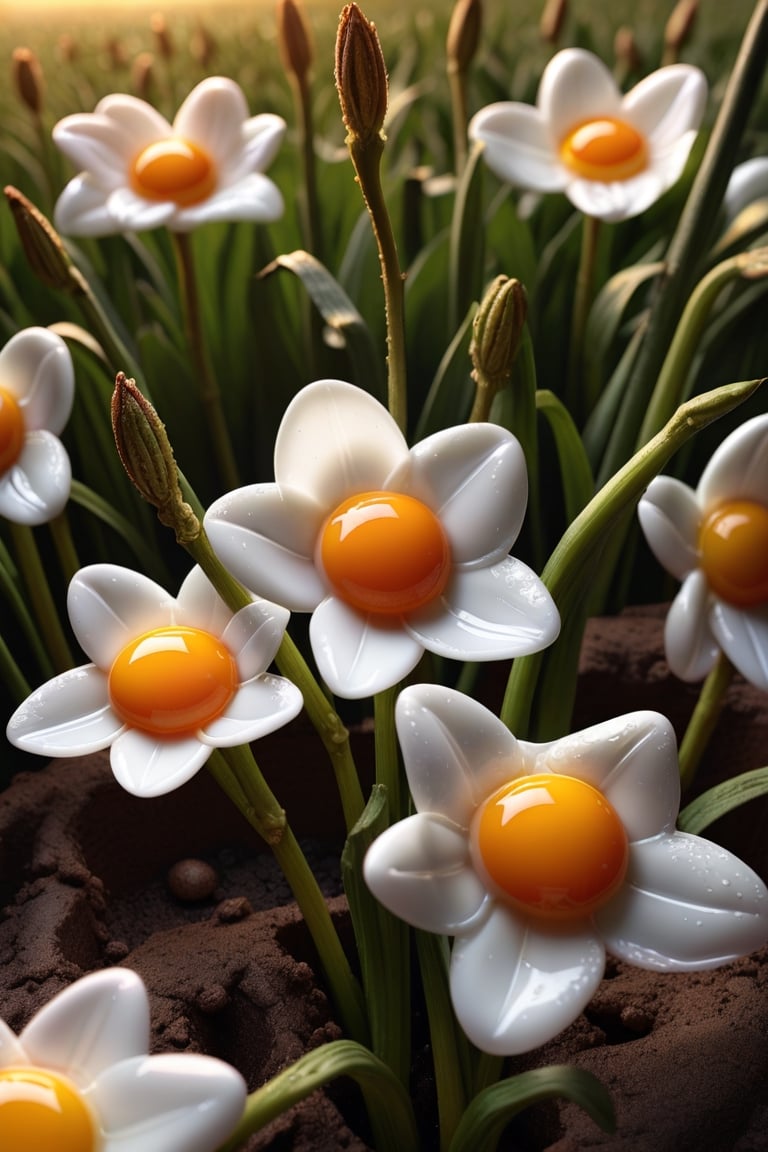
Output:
x,y
133,213
667,104
738,470
748,182
11,1052
622,199
335,440
456,751
266,536
670,515
147,766
260,706
686,904
360,655
488,614
212,116
576,86
421,871
253,636
198,605
138,123
689,643
518,146
475,479
632,759
36,367
253,197
96,1022
260,139
175,1102
35,489
515,986
104,146
109,606
81,209
68,716
743,635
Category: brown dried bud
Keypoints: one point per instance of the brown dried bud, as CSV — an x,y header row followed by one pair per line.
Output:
x,y
202,45
163,41
361,76
294,39
143,75
497,331
28,78
679,28
626,51
146,454
43,247
463,34
552,19
115,52
67,48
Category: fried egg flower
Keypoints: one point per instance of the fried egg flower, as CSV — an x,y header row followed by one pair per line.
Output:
x,y
171,679
37,387
612,155
392,551
715,540
78,1079
538,858
140,172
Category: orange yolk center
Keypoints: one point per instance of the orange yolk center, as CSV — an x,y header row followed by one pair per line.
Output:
x,y
733,544
174,169
385,553
11,430
172,681
42,1110
553,845
606,150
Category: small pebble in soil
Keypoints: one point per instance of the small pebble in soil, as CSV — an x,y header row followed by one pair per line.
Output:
x,y
192,880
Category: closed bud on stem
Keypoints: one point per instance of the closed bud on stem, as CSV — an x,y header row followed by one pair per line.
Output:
x,y
626,51
147,457
679,28
43,247
463,34
361,77
295,40
143,74
497,331
163,41
202,45
28,79
552,19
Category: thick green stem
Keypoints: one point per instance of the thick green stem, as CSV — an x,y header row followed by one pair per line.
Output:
x,y
578,404
445,1038
704,719
61,531
387,759
40,595
210,393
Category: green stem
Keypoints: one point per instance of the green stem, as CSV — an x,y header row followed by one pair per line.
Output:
x,y
385,740
704,719
443,1035
457,84
258,804
61,531
40,596
366,157
578,404
210,394
312,216
11,675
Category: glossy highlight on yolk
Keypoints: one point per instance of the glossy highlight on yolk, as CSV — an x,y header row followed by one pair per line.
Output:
x,y
42,1110
553,845
174,169
733,545
172,681
385,553
605,150
11,430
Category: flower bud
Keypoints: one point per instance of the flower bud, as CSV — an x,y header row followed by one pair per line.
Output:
x,y
463,34
163,41
361,76
497,331
679,28
146,454
143,75
43,247
626,51
202,45
28,78
294,40
552,19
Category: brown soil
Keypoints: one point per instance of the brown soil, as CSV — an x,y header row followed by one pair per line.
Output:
x,y
84,883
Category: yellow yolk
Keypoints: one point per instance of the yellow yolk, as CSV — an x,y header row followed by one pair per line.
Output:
x,y
11,430
385,553
172,681
43,1110
174,169
607,149
733,544
553,845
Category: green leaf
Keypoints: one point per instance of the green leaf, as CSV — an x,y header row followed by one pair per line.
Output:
x,y
145,553
489,1113
722,798
449,398
578,482
467,249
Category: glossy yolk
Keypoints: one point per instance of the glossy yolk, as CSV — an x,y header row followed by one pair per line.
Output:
x,y
42,1110
733,545
11,430
385,553
553,845
174,169
172,681
604,150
